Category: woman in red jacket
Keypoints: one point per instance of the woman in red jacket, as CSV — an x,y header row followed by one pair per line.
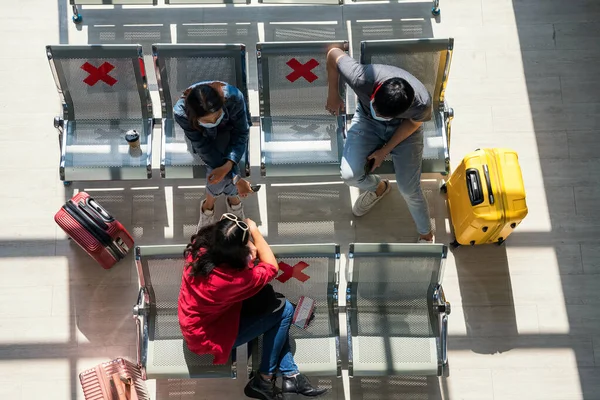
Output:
x,y
217,304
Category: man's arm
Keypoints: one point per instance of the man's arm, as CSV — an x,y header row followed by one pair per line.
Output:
x,y
404,130
335,104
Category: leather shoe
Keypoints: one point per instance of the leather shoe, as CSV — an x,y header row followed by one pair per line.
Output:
x,y
259,388
301,385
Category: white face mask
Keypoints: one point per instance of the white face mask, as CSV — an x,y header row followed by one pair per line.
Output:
x,y
213,125
377,117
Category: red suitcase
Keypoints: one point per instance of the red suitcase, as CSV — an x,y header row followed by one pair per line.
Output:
x,y
114,380
94,229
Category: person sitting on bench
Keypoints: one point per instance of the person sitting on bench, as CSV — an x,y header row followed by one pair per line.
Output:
x,y
226,301
215,119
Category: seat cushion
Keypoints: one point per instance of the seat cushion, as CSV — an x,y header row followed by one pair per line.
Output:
x,y
97,150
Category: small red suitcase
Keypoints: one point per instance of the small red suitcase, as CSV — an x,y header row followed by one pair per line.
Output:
x,y
94,229
114,380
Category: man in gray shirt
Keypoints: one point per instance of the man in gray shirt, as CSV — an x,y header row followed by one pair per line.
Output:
x,y
392,107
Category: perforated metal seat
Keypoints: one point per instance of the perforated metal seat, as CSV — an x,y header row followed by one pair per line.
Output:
x,y
162,352
298,136
207,2
104,94
177,67
429,61
397,313
316,349
435,9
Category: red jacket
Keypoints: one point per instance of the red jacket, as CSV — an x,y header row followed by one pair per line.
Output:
x,y
209,308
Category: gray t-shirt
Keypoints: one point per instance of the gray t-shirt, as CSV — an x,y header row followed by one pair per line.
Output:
x,y
364,78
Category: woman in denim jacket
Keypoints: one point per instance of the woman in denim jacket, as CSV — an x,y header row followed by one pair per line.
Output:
x,y
215,119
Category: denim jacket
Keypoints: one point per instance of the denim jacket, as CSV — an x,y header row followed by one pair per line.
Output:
x,y
236,122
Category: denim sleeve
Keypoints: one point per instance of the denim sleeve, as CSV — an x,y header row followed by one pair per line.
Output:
x,y
241,129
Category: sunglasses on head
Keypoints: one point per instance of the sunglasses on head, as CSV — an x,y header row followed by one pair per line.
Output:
x,y
241,224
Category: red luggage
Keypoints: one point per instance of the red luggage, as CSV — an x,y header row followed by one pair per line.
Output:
x,y
94,229
114,380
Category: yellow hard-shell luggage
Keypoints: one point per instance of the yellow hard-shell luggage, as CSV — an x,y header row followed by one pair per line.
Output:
x,y
486,197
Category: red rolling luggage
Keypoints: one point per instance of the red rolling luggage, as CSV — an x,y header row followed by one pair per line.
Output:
x,y
114,380
94,229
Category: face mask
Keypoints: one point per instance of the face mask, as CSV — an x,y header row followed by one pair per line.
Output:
x,y
213,125
377,117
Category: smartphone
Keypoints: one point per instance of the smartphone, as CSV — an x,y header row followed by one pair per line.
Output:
x,y
255,188
369,166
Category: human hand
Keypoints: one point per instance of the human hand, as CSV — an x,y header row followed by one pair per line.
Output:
x,y
244,188
335,104
219,173
377,156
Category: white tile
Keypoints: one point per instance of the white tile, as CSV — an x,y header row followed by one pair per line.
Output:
x,y
31,302
23,330
59,389
543,383
494,321
11,390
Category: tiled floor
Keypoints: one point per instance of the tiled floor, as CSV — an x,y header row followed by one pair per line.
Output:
x,y
525,321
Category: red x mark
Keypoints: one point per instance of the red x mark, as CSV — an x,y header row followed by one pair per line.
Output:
x,y
99,74
293,272
302,70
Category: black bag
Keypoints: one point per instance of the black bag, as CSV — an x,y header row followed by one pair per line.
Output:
x,y
265,302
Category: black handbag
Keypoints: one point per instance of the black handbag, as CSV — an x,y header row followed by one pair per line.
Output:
x,y
265,302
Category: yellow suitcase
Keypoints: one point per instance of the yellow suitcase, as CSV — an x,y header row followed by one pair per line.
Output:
x,y
486,197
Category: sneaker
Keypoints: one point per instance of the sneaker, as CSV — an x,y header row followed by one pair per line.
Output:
x,y
367,200
258,388
237,210
207,217
421,240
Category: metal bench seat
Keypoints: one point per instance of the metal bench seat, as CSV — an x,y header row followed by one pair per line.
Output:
x,y
298,136
429,61
397,313
316,349
162,352
104,93
178,66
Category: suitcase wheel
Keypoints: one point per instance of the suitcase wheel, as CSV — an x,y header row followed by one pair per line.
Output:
x,y
67,183
443,188
454,244
77,18
500,241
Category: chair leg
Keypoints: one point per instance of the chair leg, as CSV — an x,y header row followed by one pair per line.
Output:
x,y
77,18
436,8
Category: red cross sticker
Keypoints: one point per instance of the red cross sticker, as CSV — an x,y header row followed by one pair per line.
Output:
x,y
293,272
302,70
99,74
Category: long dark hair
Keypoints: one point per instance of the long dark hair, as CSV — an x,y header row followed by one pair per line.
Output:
x,y
201,100
220,243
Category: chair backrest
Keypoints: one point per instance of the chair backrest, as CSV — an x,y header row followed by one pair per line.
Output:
x,y
207,2
101,81
110,2
292,78
178,66
390,278
427,59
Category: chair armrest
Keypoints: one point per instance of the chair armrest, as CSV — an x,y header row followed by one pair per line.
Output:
x,y
140,315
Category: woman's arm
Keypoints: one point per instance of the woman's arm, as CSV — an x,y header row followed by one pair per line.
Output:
x,y
263,250
240,133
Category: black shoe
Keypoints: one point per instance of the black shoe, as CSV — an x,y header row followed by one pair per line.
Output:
x,y
301,385
259,388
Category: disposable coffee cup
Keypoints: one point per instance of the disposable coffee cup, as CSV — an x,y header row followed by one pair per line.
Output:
x,y
133,138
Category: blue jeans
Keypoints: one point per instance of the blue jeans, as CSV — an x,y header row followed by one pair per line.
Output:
x,y
276,350
366,135
225,187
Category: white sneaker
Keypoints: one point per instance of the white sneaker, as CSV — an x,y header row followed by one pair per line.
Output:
x,y
421,240
367,200
237,210
207,217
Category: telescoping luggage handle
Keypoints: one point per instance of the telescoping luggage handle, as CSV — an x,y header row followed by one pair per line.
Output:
x,y
474,186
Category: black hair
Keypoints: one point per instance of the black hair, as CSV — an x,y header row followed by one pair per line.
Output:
x,y
223,242
202,100
393,98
